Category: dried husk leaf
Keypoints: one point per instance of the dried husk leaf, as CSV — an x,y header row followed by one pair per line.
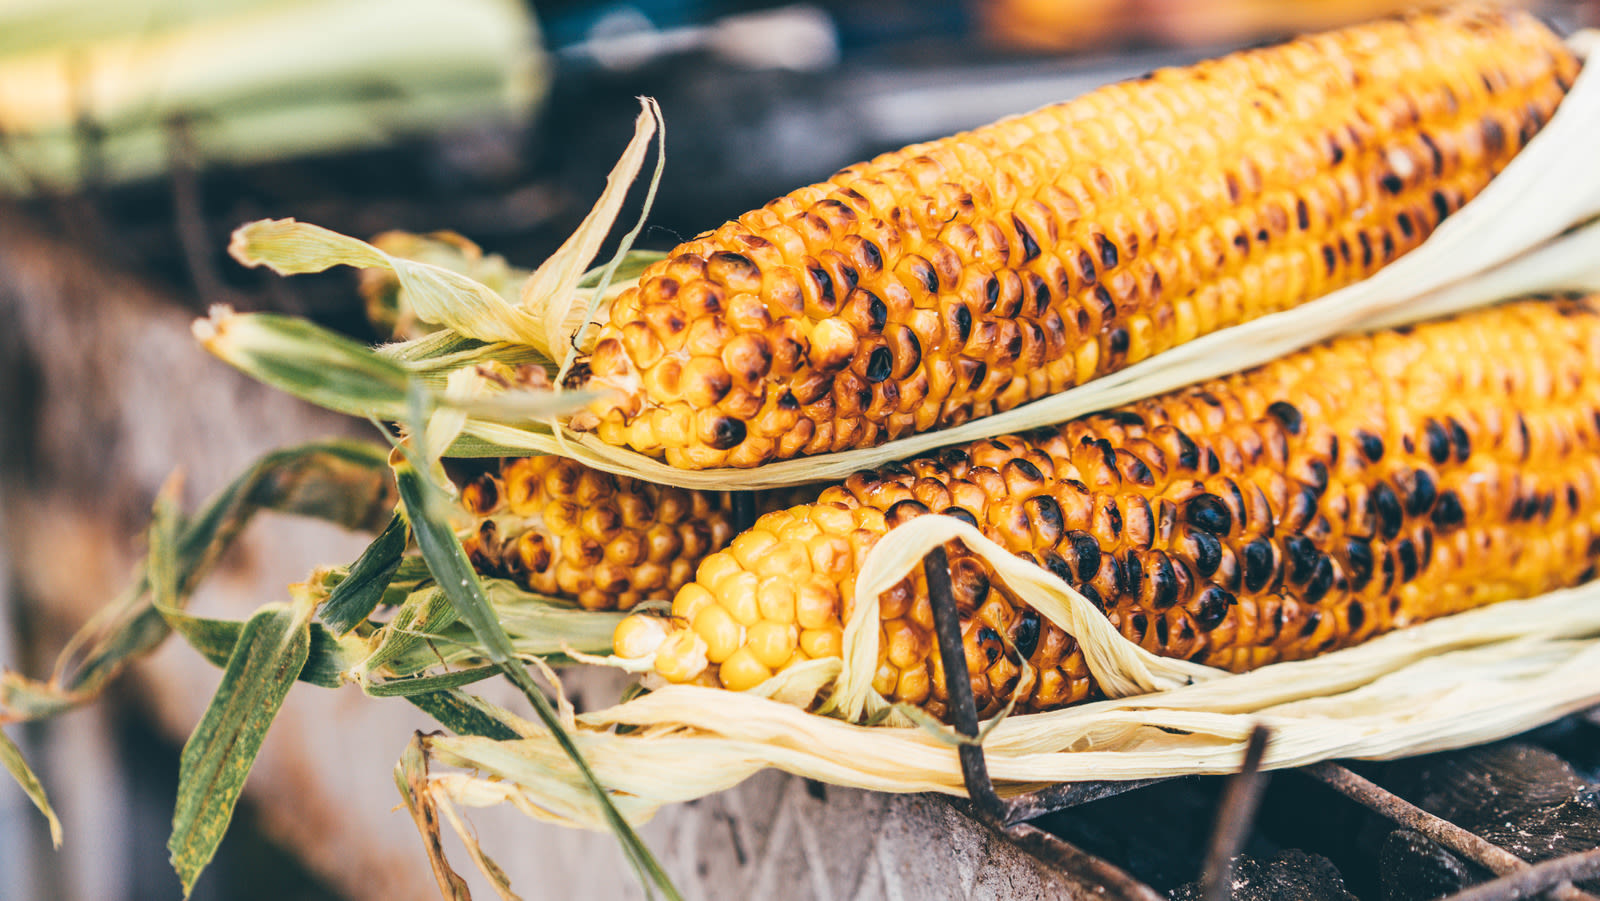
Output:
x,y
1454,682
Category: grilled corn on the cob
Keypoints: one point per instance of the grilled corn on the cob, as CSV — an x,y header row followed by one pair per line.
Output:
x,y
1338,493
560,528
954,279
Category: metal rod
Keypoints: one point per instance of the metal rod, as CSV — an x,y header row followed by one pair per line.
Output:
x,y
1235,816
958,685
1530,881
1467,844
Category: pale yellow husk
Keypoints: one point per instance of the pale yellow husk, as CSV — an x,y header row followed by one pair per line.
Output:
x,y
1512,229
1462,680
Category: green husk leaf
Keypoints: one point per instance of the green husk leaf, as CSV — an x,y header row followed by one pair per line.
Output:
x,y
332,371
342,482
11,759
455,576
217,639
271,652
462,714
362,588
424,615
435,294
416,686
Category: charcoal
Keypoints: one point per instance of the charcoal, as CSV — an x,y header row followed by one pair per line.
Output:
x,y
1412,867
1520,797
1291,875
1496,784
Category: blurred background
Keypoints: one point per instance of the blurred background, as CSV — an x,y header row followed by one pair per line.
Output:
x,y
135,134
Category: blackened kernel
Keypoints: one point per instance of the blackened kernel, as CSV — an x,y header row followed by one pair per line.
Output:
x,y
1258,568
978,376
1056,564
727,432
787,401
1030,247
851,277
1388,571
1125,417
1420,491
1092,595
879,364
1371,445
963,321
1086,266
1163,631
1441,205
1358,555
1366,249
963,514
1407,227
1163,582
1329,260
1108,451
1302,556
1188,452
1391,183
1406,550
1302,214
1087,551
1209,513
929,275
1309,627
1213,465
991,294
1459,440
1108,251
824,282
1390,514
1212,608
1321,580
1316,477
1437,440
1025,634
1132,574
1356,615
870,256
1118,341
1045,514
1140,623
905,511
990,640
877,312
1207,552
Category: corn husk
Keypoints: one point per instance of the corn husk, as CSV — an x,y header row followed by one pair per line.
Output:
x,y
246,80
1514,229
1457,681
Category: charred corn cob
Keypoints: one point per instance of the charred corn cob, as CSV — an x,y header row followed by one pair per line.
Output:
x,y
1344,491
957,278
557,527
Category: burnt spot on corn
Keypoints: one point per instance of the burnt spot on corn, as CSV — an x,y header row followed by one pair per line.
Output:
x,y
1207,512
1286,413
1371,445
